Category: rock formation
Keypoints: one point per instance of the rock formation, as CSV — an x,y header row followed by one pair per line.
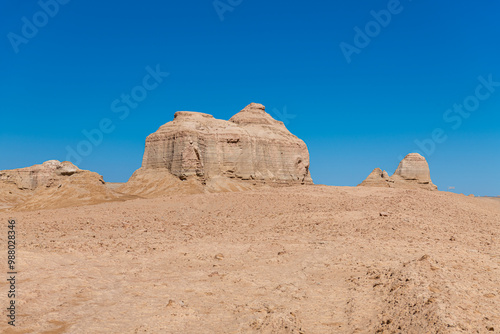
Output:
x,y
412,172
251,147
414,167
45,175
377,178
52,184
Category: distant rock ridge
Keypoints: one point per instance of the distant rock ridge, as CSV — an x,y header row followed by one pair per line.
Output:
x,y
412,172
251,147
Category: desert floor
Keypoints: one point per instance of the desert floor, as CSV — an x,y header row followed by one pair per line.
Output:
x,y
312,259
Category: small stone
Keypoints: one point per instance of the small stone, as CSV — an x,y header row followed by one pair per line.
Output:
x,y
219,256
384,214
425,257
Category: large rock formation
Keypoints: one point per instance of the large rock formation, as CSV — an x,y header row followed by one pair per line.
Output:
x,y
52,184
412,172
251,146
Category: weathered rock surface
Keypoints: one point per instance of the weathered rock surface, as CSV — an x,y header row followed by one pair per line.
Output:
x,y
45,175
414,167
52,184
412,172
251,147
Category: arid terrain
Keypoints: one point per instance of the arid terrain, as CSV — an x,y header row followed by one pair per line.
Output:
x,y
222,231
301,259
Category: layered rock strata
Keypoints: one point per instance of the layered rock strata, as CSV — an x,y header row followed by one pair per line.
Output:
x,y
251,146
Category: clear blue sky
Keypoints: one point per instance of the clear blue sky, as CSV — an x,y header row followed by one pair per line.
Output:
x,y
63,78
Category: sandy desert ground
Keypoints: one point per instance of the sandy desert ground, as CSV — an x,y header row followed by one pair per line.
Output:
x,y
304,259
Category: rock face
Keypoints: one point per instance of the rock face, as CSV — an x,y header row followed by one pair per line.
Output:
x,y
412,172
414,167
251,146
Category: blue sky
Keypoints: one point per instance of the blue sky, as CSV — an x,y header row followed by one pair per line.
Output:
x,y
408,70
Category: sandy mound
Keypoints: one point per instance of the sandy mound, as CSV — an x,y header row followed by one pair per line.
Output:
x,y
79,189
11,195
151,183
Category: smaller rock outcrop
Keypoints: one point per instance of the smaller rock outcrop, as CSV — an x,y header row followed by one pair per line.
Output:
x,y
52,184
45,175
377,178
412,172
414,167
